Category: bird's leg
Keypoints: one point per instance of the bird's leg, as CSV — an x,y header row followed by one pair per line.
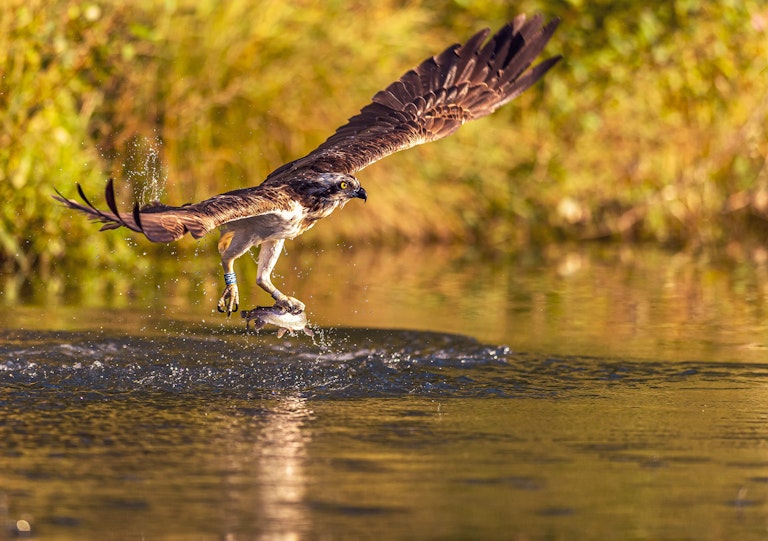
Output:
x,y
268,255
230,251
230,299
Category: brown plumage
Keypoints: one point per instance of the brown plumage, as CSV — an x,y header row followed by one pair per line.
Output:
x,y
433,100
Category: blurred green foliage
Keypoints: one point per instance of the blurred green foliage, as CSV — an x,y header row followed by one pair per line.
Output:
x,y
653,128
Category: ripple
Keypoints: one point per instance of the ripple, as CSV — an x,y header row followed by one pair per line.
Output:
x,y
340,363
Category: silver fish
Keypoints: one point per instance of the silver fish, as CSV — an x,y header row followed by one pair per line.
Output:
x,y
281,318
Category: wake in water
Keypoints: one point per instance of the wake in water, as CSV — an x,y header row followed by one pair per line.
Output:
x,y
337,363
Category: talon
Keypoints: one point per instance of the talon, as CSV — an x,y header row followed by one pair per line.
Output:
x,y
229,301
289,304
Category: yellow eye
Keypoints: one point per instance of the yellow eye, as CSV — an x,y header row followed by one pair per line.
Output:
x,y
343,185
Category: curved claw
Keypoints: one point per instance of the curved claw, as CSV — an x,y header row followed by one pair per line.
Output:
x,y
230,300
290,304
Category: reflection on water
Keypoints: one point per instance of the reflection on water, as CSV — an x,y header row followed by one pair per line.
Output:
x,y
281,452
385,444
599,395
585,300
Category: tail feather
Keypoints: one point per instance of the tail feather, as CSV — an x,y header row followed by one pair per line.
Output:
x,y
111,220
159,223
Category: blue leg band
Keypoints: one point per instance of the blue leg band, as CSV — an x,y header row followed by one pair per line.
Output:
x,y
230,278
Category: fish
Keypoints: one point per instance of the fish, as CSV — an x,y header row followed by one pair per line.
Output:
x,y
285,321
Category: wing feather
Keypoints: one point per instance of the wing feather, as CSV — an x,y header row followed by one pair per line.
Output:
x,y
435,98
164,223
468,58
413,82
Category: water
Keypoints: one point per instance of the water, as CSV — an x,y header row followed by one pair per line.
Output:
x,y
591,395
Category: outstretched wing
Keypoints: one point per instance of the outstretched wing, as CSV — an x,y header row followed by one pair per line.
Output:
x,y
433,100
163,223
429,102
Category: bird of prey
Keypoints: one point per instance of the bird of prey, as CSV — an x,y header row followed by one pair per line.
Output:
x,y
429,102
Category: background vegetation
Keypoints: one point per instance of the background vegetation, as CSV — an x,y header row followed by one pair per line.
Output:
x,y
652,129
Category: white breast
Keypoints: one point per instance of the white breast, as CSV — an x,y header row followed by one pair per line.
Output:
x,y
279,224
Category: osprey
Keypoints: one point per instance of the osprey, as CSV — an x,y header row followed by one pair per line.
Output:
x,y
429,102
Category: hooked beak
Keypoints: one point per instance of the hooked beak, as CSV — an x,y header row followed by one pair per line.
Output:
x,y
360,193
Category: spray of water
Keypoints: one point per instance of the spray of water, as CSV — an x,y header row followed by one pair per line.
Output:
x,y
144,169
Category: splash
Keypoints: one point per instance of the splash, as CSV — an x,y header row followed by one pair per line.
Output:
x,y
143,167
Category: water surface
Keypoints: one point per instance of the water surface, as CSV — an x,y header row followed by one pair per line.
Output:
x,y
582,395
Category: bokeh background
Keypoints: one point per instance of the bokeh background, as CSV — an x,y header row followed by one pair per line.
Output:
x,y
652,129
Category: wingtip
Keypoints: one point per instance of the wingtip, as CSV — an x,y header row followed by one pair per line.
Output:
x,y
549,28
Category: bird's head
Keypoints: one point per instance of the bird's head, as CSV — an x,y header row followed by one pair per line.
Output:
x,y
335,188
